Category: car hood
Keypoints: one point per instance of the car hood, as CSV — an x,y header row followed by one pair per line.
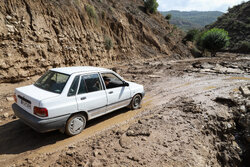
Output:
x,y
133,84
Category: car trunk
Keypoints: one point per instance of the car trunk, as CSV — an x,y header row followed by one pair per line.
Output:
x,y
30,96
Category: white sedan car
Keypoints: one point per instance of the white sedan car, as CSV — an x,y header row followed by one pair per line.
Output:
x,y
66,98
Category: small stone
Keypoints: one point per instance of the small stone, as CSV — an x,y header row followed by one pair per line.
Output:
x,y
243,108
96,153
130,132
11,28
69,153
96,163
125,141
6,115
8,17
229,126
133,158
1,110
14,117
154,76
144,139
10,99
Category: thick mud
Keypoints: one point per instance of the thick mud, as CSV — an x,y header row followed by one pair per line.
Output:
x,y
181,123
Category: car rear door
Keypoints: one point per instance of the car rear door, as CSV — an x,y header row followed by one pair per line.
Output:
x,y
118,95
91,96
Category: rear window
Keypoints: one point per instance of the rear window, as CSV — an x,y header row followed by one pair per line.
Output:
x,y
52,81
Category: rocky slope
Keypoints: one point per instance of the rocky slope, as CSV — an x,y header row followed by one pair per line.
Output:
x,y
237,23
41,34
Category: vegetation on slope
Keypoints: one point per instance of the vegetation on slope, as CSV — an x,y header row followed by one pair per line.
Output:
x,y
192,19
237,23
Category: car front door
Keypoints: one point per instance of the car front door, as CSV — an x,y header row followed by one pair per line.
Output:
x,y
118,95
91,96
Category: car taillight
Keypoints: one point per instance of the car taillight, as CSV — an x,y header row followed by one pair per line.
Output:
x,y
41,112
14,97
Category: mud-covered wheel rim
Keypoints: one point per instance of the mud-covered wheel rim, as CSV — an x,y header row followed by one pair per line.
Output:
x,y
76,125
136,103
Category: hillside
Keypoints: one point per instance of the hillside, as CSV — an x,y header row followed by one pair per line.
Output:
x,y
37,35
192,19
237,23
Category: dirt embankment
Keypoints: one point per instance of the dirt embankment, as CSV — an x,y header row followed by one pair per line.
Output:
x,y
194,114
37,35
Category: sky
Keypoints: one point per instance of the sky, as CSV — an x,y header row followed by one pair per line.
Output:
x,y
200,5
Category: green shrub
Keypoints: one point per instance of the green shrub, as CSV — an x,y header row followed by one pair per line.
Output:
x,y
91,11
191,35
214,40
151,5
168,16
244,47
108,43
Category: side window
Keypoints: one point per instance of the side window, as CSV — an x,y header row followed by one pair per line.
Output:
x,y
90,83
111,81
73,87
82,87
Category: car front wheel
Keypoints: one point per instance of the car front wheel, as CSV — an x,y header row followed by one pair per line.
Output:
x,y
136,102
75,124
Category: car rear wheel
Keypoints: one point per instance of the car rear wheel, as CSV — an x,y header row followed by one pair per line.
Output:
x,y
75,124
136,102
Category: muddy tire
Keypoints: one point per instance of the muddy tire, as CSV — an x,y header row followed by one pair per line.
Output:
x,y
135,102
75,124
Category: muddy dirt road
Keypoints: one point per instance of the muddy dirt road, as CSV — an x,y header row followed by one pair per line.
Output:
x,y
173,128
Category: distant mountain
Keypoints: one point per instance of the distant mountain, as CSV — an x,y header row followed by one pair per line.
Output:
x,y
192,19
237,23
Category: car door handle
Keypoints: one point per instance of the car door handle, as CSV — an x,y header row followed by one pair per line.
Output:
x,y
111,92
83,98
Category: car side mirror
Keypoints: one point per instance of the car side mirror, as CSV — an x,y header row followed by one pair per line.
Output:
x,y
125,83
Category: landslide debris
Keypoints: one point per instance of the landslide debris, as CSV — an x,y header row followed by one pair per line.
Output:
x,y
194,119
39,35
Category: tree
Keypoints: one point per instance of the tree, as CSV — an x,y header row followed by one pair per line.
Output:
x,y
191,35
151,5
214,40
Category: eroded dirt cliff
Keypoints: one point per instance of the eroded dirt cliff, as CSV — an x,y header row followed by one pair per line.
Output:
x,y
39,34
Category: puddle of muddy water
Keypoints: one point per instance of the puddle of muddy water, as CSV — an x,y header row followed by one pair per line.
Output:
x,y
238,78
209,87
183,85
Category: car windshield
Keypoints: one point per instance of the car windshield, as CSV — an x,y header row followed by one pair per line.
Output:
x,y
52,81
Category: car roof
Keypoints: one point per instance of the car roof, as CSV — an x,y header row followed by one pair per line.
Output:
x,y
78,69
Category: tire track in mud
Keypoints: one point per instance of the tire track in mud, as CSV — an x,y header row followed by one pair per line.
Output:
x,y
23,141
55,141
